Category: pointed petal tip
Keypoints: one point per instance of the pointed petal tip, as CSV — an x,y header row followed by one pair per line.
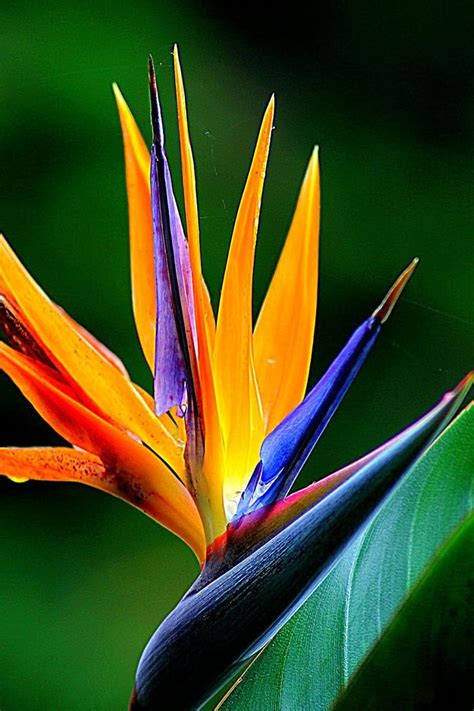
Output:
x,y
152,80
156,118
383,311
313,163
178,74
268,117
151,73
463,387
119,98
270,110
177,63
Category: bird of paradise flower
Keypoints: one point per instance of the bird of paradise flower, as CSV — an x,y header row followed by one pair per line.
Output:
x,y
213,455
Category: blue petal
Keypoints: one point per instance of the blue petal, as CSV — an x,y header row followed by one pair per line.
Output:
x,y
285,450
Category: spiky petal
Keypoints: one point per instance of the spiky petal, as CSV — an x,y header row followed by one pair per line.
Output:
x,y
81,364
137,165
174,346
238,399
282,362
211,483
285,450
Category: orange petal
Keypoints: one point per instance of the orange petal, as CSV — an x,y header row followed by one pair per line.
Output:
x,y
72,465
206,315
170,420
137,468
137,166
174,425
16,333
101,384
211,487
55,464
282,361
19,338
96,344
237,394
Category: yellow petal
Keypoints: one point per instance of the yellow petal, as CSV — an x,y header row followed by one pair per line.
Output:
x,y
211,486
237,395
137,166
283,339
102,385
140,473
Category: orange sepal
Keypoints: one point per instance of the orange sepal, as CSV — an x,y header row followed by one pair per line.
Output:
x,y
137,166
61,464
175,425
135,466
205,322
283,338
98,381
96,344
55,464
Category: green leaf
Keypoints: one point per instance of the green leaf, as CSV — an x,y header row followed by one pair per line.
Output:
x,y
313,658
426,656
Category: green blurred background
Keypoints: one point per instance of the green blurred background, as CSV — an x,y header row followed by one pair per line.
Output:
x,y
387,93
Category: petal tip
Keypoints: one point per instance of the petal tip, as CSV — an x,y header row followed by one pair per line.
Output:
x,y
463,387
270,110
383,311
177,64
313,165
120,100
156,118
151,71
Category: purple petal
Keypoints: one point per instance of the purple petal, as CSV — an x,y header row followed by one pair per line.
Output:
x,y
170,369
175,369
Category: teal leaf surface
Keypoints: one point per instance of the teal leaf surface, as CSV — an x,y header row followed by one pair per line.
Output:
x,y
425,657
